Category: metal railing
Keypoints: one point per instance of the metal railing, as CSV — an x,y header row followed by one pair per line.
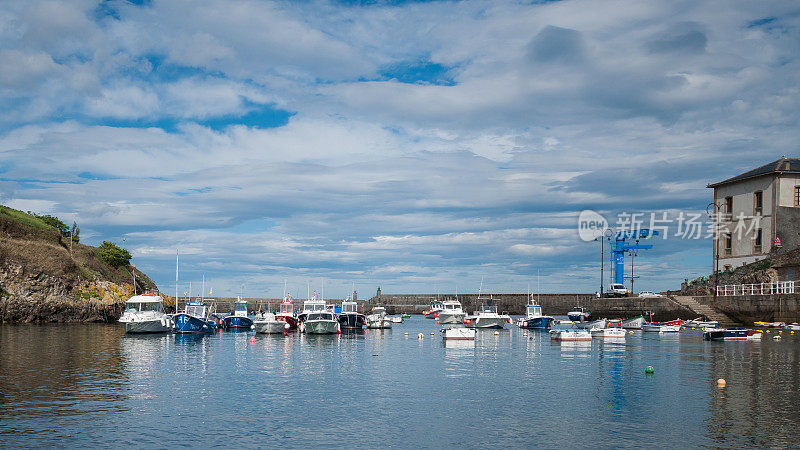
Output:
x,y
778,287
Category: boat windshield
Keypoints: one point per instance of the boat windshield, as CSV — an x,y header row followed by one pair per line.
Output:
x,y
534,310
287,308
348,307
240,306
149,306
320,316
196,310
489,308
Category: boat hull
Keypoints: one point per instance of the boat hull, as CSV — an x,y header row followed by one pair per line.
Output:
x,y
608,333
237,323
451,317
660,328
320,327
290,319
732,334
184,323
379,324
351,321
459,334
485,322
536,323
162,325
570,335
634,323
600,323
269,326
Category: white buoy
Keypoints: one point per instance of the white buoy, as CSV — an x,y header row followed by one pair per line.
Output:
x,y
497,333
420,336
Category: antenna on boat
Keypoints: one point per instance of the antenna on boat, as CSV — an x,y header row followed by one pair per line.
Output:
x,y
203,289
284,288
308,286
538,288
176,280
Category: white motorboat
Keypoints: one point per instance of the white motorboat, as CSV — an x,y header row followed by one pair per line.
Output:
x,y
451,312
397,319
700,323
572,335
599,323
145,314
487,317
634,323
533,318
608,333
579,315
793,326
458,334
267,323
323,322
651,327
377,319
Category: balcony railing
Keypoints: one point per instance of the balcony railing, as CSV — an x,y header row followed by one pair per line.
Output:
x,y
778,287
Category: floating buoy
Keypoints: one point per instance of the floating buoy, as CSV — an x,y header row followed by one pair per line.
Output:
x,y
252,340
406,334
776,338
721,383
420,335
432,334
767,331
660,332
630,332
780,332
649,369
497,333
791,332
693,328
684,328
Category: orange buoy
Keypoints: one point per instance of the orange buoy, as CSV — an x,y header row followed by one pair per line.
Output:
x,y
721,382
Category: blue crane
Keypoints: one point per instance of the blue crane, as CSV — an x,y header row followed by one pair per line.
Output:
x,y
621,246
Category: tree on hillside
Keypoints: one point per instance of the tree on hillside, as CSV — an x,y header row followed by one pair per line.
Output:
x,y
113,255
54,222
75,232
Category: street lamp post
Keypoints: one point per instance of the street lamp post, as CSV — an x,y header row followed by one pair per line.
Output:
x,y
712,210
606,235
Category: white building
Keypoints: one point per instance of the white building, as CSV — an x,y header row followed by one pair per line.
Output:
x,y
760,212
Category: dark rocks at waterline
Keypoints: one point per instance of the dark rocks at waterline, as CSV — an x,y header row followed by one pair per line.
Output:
x,y
21,310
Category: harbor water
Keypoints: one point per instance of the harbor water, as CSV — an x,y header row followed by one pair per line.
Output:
x,y
92,385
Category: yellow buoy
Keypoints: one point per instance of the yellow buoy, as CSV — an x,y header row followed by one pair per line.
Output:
x,y
406,334
630,332
791,332
767,331
780,331
721,382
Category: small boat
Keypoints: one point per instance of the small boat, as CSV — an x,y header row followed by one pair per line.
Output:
x,y
599,323
769,324
196,318
732,334
570,335
286,313
433,311
534,319
487,317
579,315
397,319
267,323
613,332
312,305
634,323
451,312
458,334
377,319
239,320
145,314
700,323
349,317
673,326
406,316
793,326
321,322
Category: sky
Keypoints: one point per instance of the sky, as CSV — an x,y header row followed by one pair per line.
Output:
x,y
417,146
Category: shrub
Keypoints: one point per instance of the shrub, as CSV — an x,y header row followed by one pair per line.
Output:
x,y
54,222
113,255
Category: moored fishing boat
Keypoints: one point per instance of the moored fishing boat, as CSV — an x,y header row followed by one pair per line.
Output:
x,y
451,312
634,323
267,323
145,314
732,334
572,335
612,332
321,322
534,319
286,313
487,317
699,322
793,326
239,320
377,318
579,315
599,323
673,326
349,317
433,311
196,318
769,324
458,334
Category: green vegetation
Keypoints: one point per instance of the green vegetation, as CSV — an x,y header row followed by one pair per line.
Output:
x,y
113,255
89,294
764,264
21,217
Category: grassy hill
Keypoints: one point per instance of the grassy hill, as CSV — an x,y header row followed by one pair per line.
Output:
x,y
37,272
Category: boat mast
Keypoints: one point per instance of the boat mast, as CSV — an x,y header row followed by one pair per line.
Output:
x,y
538,288
176,281
203,289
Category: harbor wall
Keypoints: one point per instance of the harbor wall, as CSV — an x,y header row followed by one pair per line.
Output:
x,y
747,309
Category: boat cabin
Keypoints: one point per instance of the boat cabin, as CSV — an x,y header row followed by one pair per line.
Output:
x,y
240,308
196,309
141,303
451,306
533,310
326,315
488,309
287,307
349,307
378,310
314,306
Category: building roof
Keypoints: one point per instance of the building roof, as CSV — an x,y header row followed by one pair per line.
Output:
x,y
778,166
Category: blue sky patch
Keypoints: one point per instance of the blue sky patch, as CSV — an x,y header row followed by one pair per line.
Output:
x,y
421,72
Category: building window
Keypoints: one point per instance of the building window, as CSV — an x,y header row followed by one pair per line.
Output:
x,y
728,244
758,203
728,208
797,196
757,246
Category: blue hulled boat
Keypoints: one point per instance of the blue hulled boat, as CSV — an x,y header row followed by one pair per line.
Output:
x,y
239,319
194,319
534,319
349,317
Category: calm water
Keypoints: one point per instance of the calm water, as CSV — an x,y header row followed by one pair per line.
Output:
x,y
92,385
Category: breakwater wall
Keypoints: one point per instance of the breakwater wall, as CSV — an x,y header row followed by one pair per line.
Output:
x,y
24,310
747,309
554,304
